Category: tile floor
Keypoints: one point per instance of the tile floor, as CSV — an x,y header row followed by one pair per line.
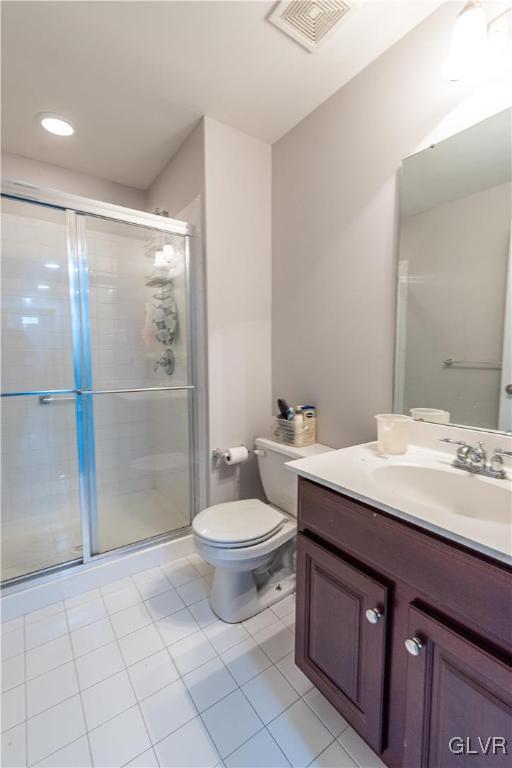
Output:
x,y
141,673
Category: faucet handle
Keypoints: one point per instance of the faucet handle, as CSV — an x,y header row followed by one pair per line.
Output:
x,y
501,452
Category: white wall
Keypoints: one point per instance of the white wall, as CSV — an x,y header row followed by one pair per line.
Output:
x,y
20,168
227,174
335,223
182,179
238,268
456,255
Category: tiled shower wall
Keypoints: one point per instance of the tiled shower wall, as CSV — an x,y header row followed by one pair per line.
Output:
x,y
141,440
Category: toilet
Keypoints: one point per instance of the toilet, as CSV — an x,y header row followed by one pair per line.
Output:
x,y
250,543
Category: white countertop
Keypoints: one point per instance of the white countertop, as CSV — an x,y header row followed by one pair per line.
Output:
x,y
423,488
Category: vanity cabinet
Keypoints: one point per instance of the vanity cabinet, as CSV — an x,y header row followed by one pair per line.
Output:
x,y
407,634
339,648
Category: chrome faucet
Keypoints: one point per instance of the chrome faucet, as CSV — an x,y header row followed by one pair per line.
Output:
x,y
474,459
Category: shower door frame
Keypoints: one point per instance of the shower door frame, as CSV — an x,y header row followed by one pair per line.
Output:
x,y
76,209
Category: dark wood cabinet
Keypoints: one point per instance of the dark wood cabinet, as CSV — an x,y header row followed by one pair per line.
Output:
x,y
443,701
458,700
342,650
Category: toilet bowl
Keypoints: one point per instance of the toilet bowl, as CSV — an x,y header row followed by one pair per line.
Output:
x,y
250,543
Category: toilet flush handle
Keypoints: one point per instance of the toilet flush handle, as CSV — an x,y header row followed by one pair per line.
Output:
x,y
259,452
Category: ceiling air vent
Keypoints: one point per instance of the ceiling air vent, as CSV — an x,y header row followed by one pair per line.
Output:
x,y
309,22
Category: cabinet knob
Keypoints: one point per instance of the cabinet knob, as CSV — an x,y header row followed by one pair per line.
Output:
x,y
373,615
413,646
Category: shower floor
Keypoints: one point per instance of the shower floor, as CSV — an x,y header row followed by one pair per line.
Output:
x,y
35,542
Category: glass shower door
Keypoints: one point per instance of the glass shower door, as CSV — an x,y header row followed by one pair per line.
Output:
x,y
138,396
41,517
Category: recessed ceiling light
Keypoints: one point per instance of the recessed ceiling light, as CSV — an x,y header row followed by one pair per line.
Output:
x,y
50,265
56,124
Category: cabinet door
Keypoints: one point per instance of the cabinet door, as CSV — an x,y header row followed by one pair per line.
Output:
x,y
337,646
459,700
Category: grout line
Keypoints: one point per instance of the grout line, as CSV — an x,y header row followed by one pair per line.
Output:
x,y
137,703
80,694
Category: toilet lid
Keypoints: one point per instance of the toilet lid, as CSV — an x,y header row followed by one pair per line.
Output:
x,y
238,522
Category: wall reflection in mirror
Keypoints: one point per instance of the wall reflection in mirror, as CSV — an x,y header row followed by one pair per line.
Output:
x,y
453,353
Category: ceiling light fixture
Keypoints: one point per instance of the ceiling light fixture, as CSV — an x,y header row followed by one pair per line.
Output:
x,y
56,124
477,48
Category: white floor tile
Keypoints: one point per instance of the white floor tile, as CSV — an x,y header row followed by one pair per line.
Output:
x,y
180,572
140,644
209,683
88,613
130,619
116,586
277,641
194,591
177,626
54,728
260,621
87,639
203,613
119,740
13,707
326,712
231,721
51,688
13,672
167,709
48,656
13,643
245,660
284,606
99,664
191,652
10,626
270,693
164,604
300,734
358,750
259,752
107,699
45,630
224,636
334,757
289,620
153,673
146,760
151,583
14,747
75,755
122,598
201,565
82,598
293,674
44,613
188,747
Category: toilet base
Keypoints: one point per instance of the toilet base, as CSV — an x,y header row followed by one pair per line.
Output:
x,y
237,596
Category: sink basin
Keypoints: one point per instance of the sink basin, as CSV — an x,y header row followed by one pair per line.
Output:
x,y
424,488
447,490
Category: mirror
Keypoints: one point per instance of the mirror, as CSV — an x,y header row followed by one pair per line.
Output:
x,y
453,350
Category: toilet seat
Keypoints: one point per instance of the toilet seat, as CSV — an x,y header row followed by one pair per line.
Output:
x,y
237,524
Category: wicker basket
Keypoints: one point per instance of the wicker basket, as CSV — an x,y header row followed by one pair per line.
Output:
x,y
294,433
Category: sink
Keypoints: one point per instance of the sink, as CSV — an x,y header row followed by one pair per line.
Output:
x,y
424,488
447,490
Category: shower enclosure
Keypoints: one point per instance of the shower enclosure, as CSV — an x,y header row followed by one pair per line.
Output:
x,y
97,380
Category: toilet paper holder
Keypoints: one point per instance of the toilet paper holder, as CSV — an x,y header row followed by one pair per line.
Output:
x,y
219,453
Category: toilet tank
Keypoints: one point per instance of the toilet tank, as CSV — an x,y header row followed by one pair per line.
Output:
x,y
280,483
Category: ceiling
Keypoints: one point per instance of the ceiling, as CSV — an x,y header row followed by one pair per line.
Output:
x,y
135,77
